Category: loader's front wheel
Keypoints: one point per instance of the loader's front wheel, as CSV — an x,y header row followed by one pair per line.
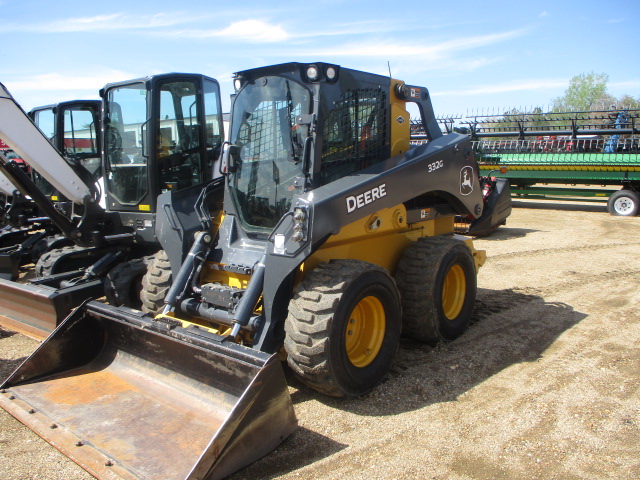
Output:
x,y
343,327
156,283
437,281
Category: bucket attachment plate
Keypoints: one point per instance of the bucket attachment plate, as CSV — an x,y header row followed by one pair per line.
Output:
x,y
126,396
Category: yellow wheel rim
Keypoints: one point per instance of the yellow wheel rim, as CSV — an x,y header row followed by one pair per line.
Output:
x,y
453,292
365,331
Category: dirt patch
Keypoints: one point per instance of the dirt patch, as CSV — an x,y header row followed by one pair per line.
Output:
x,y
544,385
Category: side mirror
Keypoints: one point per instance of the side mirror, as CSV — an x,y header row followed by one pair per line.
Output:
x,y
231,158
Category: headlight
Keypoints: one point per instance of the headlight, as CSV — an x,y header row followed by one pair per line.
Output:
x,y
312,73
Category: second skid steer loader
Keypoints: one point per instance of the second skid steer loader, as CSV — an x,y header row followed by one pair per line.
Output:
x,y
160,133
328,237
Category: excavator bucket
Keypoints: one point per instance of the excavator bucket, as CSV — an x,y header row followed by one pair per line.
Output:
x,y
130,397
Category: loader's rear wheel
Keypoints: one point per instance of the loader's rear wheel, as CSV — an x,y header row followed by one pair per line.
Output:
x,y
156,283
437,281
123,285
343,327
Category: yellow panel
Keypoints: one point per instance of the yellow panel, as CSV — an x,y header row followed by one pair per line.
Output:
x,y
144,208
379,239
400,123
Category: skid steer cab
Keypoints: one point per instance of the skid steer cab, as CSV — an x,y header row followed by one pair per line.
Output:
x,y
328,237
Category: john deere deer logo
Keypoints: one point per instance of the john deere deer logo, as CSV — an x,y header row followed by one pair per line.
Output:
x,y
466,180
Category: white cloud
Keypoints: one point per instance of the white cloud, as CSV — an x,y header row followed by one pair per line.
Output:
x,y
59,82
424,52
248,30
110,22
625,84
255,30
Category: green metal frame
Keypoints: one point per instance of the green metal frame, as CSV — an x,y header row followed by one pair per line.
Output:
x,y
527,169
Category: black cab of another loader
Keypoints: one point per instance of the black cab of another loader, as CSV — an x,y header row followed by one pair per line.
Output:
x,y
161,133
73,127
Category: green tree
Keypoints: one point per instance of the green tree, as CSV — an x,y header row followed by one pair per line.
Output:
x,y
584,91
627,101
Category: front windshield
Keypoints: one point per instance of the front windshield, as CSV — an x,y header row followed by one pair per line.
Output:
x,y
271,143
79,138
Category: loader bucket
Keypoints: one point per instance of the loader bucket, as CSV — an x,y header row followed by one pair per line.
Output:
x,y
129,397
36,308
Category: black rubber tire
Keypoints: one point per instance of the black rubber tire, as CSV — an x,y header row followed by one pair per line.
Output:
x,y
421,278
319,320
56,261
156,283
49,243
625,203
123,284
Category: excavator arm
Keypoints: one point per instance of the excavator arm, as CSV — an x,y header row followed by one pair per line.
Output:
x,y
6,187
23,136
25,185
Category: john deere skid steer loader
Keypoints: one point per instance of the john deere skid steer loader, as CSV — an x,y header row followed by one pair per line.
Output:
x,y
328,237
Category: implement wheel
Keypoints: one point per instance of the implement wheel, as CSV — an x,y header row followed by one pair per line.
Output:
x,y
343,327
624,202
437,280
156,283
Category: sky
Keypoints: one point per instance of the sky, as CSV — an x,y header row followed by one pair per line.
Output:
x,y
475,57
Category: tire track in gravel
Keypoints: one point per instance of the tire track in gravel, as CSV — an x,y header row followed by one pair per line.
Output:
x,y
560,250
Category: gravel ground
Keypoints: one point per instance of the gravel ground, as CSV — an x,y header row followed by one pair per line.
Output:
x,y
544,385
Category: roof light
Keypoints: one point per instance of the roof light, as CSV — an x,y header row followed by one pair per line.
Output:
x,y
331,73
312,73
